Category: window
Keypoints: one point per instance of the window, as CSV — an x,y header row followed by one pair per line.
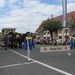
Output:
x,y
66,31
66,36
44,32
48,32
69,18
60,31
44,37
60,37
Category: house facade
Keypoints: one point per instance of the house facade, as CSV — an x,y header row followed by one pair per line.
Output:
x,y
61,34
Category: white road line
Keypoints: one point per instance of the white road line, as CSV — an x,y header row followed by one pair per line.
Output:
x,y
16,64
48,66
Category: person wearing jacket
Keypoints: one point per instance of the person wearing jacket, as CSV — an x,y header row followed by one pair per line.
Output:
x,y
72,44
6,41
28,44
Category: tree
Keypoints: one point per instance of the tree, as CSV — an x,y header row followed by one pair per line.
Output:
x,y
1,36
73,23
51,25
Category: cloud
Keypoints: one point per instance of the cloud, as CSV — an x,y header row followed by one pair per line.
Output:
x,y
2,3
27,15
12,1
70,7
70,1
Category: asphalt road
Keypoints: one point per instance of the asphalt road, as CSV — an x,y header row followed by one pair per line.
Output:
x,y
14,62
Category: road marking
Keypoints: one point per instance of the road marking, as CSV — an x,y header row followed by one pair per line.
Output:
x,y
43,64
16,64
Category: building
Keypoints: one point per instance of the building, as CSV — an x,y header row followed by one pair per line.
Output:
x,y
7,30
67,31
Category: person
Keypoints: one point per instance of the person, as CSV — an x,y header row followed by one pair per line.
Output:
x,y
72,44
28,44
6,41
55,42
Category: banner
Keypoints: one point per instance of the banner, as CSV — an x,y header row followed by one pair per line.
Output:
x,y
54,48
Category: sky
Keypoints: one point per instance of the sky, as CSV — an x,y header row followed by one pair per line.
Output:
x,y
27,15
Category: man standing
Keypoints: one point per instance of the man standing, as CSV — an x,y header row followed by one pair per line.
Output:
x,y
28,44
6,41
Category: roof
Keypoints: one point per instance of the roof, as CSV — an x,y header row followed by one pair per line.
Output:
x,y
68,17
8,29
60,18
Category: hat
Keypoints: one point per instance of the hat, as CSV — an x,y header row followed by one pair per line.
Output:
x,y
27,33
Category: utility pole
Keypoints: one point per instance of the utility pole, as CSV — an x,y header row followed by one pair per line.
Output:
x,y
64,5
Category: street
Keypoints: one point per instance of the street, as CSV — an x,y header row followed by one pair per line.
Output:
x,y
14,62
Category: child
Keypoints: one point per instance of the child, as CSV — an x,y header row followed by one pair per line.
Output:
x,y
28,44
72,44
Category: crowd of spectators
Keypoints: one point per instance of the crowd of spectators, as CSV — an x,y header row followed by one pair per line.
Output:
x,y
55,41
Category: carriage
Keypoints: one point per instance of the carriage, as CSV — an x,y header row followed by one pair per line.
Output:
x,y
14,40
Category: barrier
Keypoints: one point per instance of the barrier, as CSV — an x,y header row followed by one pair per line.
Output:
x,y
54,48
